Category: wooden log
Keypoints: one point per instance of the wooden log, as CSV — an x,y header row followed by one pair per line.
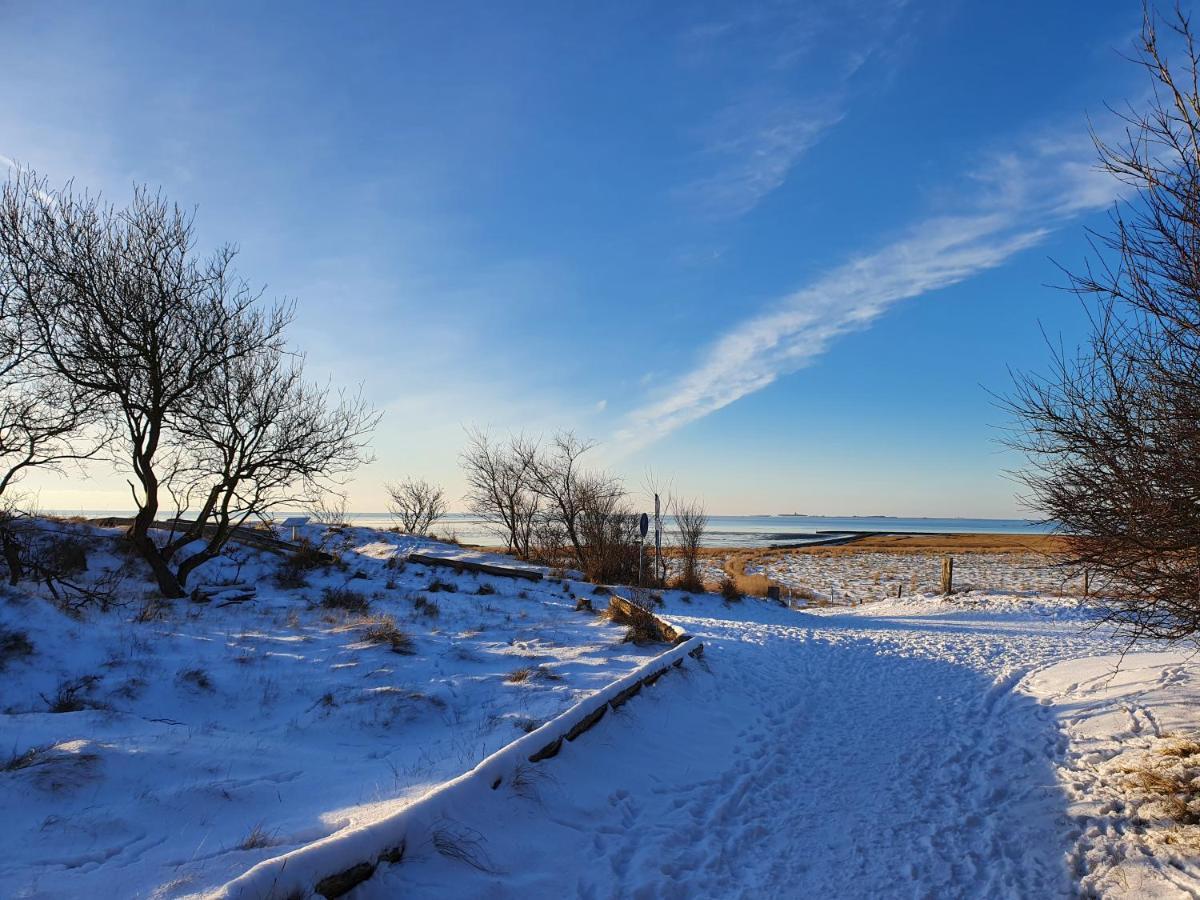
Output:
x,y
463,565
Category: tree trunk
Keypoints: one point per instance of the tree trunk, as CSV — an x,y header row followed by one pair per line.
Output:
x,y
12,556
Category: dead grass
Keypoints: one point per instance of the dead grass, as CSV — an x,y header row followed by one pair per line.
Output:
x,y
14,645
464,845
383,630
532,673
1169,780
344,598
70,696
54,767
258,838
426,607
196,678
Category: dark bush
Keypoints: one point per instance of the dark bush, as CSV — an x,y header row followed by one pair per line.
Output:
x,y
344,598
730,592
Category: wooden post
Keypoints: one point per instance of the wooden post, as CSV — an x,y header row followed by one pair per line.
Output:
x,y
1086,585
947,575
899,591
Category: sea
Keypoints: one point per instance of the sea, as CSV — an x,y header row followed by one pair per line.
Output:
x,y
723,531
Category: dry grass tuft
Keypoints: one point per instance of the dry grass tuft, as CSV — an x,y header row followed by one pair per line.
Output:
x,y
55,767
535,673
70,696
196,678
344,598
258,838
464,845
14,645
383,630
426,607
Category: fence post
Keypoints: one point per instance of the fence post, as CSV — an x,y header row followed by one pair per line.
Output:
x,y
1086,586
947,575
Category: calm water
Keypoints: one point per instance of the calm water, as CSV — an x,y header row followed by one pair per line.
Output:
x,y
761,531
725,531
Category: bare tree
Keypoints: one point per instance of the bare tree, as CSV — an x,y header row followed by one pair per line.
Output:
x,y
258,438
609,534
181,355
498,487
1113,431
44,421
329,508
556,476
415,504
691,522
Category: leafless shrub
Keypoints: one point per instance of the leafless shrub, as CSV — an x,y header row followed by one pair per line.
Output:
x,y
691,523
729,590
426,607
485,588
329,508
1110,433
63,556
416,504
14,646
438,585
499,488
519,676
344,598
71,695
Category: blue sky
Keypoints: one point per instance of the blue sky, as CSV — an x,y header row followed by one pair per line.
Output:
x,y
777,253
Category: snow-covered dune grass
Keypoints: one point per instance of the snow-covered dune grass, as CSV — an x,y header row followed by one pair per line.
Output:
x,y
159,749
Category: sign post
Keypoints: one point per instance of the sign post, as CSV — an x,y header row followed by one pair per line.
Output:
x,y
643,527
657,540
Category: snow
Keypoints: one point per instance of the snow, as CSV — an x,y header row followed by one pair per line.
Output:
x,y
873,575
987,745
273,716
894,749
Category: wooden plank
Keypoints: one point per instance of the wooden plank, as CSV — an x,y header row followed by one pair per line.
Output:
x,y
463,565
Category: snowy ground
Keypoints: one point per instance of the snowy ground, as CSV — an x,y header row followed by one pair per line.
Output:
x,y
981,746
865,576
908,748
197,743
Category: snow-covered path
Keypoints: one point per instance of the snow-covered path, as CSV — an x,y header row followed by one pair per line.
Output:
x,y
882,751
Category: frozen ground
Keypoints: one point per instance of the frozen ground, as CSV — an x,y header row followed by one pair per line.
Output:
x,y
192,745
913,748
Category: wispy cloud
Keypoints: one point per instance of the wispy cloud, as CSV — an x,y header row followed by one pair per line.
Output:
x,y
796,89
754,147
1024,196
